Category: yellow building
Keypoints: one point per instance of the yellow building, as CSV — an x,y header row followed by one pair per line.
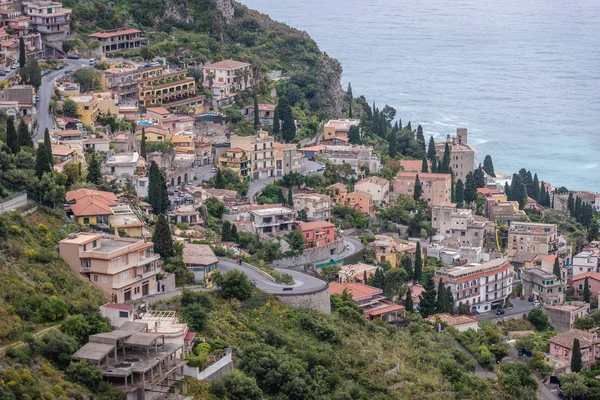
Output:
x,y
170,89
153,134
390,249
106,103
338,128
87,108
237,160
183,144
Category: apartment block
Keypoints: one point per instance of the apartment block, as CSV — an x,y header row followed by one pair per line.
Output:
x,y
358,200
118,40
125,269
543,286
356,156
338,128
436,187
481,287
561,349
585,261
462,156
50,19
317,206
123,81
287,159
563,316
272,220
261,147
169,88
87,108
534,238
226,77
460,224
266,113
377,187
237,160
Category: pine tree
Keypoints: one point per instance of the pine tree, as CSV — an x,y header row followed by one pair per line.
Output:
x,y
418,189
556,269
42,165
219,180
48,145
290,197
226,231
22,56
256,113
143,145
460,193
431,149
393,146
488,166
12,139
441,298
408,267
162,239
427,303
418,270
592,230
408,302
25,139
586,291
377,279
354,135
535,188
93,174
276,126
449,301
424,166
479,177
470,189
576,359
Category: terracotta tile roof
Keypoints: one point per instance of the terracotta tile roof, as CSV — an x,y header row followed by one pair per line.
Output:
x,y
313,148
551,259
190,336
80,193
454,320
72,132
307,226
362,193
113,33
590,275
565,339
62,151
158,110
357,290
226,64
373,179
488,192
339,186
411,165
236,150
385,307
199,254
280,146
89,206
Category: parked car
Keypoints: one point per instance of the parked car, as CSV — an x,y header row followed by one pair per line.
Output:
x,y
171,193
46,71
14,66
92,60
500,311
7,70
347,247
73,57
37,99
61,57
68,71
59,67
537,304
530,299
213,169
2,73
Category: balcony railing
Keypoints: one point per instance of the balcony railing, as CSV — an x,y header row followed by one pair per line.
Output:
x,y
142,261
137,278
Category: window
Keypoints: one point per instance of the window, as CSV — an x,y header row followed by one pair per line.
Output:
x,y
580,285
142,184
123,314
94,244
95,278
104,279
86,221
85,248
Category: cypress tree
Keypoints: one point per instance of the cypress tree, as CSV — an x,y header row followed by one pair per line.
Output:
x,y
507,191
143,144
289,127
12,139
377,279
421,140
93,175
440,167
365,277
556,269
488,166
22,56
431,149
408,267
350,110
408,127
441,297
460,193
427,304
25,139
42,165
163,242
434,167
158,196
418,189
576,359
445,161
219,180
226,231
571,204
256,113
592,232
518,190
281,198
470,189
276,127
234,234
577,213
424,166
542,197
418,271
354,135
452,187
408,302
528,180
449,301
393,146
290,197
479,177
548,199
535,188
586,290
48,145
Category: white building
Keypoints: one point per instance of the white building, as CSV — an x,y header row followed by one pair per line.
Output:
x,y
357,156
272,220
460,224
585,261
226,77
122,165
377,187
317,206
481,287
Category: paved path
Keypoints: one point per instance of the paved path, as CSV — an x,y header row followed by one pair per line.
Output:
x,y
302,283
258,185
352,246
165,296
46,91
519,307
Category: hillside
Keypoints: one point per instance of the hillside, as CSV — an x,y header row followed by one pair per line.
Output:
x,y
201,31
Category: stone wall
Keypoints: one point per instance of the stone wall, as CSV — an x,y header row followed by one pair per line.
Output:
x,y
311,256
14,203
317,301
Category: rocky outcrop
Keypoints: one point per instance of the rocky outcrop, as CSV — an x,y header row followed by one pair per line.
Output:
x,y
227,9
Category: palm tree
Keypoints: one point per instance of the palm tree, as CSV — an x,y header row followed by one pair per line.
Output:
x,y
210,77
246,76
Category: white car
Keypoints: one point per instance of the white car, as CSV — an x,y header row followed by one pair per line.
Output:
x,y
92,60
14,66
537,304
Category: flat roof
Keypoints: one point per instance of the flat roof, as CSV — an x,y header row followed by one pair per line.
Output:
x,y
142,339
93,351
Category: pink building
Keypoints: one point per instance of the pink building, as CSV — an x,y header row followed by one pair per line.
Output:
x,y
317,234
578,283
370,300
436,187
561,348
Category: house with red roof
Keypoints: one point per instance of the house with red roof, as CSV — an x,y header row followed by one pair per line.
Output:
x,y
370,300
578,283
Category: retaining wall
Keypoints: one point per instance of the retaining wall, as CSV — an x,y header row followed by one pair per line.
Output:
x,y
14,203
213,372
311,256
317,301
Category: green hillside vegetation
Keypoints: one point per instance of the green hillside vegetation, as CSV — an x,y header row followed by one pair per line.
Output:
x,y
291,353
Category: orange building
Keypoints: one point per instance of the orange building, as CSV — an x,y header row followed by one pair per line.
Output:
x,y
436,187
316,234
370,300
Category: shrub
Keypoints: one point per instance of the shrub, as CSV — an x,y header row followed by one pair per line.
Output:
x,y
234,285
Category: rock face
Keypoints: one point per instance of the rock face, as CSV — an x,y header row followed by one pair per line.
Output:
x,y
227,9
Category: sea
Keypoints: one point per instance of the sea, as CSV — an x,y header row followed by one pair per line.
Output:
x,y
522,75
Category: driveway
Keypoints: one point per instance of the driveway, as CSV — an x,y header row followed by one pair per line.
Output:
x,y
302,283
519,307
257,186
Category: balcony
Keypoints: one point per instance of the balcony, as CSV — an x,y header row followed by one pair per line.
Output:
x,y
146,275
147,258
